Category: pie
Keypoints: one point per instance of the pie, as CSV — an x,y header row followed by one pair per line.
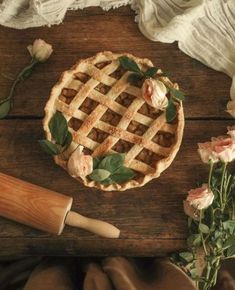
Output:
x,y
107,114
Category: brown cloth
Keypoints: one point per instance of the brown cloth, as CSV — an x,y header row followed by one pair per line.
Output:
x,y
115,273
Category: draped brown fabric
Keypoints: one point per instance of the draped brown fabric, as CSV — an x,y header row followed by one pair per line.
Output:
x,y
115,273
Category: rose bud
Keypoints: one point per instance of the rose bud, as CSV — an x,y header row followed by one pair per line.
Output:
x,y
200,198
154,92
40,50
79,164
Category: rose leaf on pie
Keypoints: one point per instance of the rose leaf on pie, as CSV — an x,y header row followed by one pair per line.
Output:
x,y
99,175
49,147
129,64
171,111
58,128
112,162
134,78
177,94
5,107
122,174
96,161
68,140
150,72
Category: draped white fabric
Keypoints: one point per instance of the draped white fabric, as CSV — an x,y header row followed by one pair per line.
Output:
x,y
204,29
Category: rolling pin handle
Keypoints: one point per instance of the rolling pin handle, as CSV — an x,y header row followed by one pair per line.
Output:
x,y
98,227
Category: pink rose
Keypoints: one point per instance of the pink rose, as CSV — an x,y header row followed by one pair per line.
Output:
x,y
231,132
206,152
224,148
219,149
154,92
40,50
80,165
200,198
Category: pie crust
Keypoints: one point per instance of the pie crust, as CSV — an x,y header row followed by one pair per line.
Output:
x,y
107,114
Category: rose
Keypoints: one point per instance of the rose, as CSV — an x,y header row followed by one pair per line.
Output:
x,y
40,50
224,148
219,149
154,92
231,132
201,197
79,164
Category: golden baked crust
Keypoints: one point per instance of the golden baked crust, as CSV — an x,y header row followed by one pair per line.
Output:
x,y
95,89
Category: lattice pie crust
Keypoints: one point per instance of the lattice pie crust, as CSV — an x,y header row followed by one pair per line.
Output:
x,y
107,114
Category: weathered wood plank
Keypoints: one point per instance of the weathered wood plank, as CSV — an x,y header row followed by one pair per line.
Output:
x,y
85,33
151,218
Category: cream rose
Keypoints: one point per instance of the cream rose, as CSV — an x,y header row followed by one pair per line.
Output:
x,y
206,152
231,132
154,92
79,164
40,50
224,148
200,198
219,149
190,211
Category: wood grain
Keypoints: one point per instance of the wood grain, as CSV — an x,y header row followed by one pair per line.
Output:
x,y
151,218
95,31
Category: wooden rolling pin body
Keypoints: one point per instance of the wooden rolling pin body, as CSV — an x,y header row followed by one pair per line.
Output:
x,y
44,209
33,205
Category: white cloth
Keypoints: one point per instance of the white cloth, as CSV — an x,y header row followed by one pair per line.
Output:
x,y
204,29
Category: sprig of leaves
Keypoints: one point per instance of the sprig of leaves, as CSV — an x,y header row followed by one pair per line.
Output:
x,y
110,169
60,134
6,104
214,232
138,76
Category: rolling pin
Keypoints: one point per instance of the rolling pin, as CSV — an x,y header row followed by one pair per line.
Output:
x,y
44,209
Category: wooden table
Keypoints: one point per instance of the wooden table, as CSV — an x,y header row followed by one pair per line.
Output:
x,y
151,218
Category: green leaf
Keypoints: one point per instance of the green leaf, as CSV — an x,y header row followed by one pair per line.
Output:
x,y
204,228
231,251
58,128
177,94
96,161
112,162
150,72
68,140
129,64
134,78
49,147
122,174
193,273
171,111
229,226
99,175
107,181
5,107
186,256
229,242
194,240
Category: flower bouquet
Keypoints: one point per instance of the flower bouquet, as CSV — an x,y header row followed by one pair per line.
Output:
x,y
211,211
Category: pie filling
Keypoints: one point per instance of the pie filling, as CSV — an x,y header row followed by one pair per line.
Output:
x,y
137,128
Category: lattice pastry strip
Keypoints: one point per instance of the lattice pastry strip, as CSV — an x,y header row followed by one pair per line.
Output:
x,y
104,68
